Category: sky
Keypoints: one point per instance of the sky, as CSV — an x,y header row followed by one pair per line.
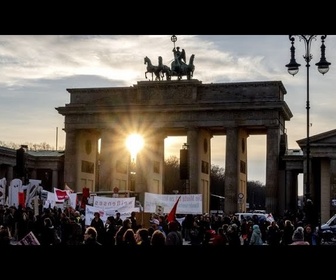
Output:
x,y
37,70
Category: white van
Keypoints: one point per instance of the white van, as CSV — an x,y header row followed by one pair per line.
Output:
x,y
249,215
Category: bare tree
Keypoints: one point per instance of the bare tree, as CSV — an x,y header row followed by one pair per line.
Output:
x,y
217,187
256,195
172,181
31,146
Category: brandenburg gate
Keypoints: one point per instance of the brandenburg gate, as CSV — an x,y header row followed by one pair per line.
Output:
x,y
97,121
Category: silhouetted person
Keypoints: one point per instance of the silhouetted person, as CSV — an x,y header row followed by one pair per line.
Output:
x,y
310,214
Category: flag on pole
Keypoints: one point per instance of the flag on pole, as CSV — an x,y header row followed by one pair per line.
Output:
x,y
172,213
67,188
85,197
60,195
21,198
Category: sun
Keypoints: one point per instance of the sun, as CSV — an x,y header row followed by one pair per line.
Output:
x,y
134,144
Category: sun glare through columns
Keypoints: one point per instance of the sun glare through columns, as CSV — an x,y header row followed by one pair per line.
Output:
x,y
134,144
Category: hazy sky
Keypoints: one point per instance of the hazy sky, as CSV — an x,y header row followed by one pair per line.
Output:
x,y
36,70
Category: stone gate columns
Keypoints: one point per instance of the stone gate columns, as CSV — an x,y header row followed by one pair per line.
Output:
x,y
199,152
108,140
235,170
55,179
33,174
150,165
290,191
70,159
231,171
114,161
328,187
10,173
194,165
272,168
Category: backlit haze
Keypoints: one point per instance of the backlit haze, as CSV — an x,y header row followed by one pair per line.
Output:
x,y
36,70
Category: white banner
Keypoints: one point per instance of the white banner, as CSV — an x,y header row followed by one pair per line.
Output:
x,y
113,202
125,212
72,200
188,204
52,200
33,190
13,193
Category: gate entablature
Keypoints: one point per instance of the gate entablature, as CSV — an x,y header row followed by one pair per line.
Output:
x,y
254,105
180,92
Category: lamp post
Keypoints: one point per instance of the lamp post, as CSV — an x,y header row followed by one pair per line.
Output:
x,y
293,68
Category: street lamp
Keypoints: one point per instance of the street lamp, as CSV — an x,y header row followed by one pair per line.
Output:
x,y
293,68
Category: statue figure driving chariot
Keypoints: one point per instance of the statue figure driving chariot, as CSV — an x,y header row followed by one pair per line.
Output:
x,y
179,67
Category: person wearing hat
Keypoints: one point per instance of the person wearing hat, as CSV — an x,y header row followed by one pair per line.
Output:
x,y
298,237
256,237
155,224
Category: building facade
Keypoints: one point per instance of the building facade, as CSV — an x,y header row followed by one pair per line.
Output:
x,y
47,166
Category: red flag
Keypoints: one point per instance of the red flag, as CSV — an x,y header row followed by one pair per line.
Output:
x,y
85,196
172,213
60,195
21,198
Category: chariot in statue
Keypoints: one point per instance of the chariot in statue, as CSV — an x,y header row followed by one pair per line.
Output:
x,y
179,67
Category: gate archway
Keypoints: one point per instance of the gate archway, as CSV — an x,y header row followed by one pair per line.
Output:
x,y
158,109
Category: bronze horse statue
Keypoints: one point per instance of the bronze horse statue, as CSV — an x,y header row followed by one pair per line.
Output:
x,y
152,68
178,69
182,69
164,70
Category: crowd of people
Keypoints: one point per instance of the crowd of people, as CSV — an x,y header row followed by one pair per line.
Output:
x,y
54,227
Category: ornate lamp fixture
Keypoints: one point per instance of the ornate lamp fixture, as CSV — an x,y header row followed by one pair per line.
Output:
x,y
293,68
